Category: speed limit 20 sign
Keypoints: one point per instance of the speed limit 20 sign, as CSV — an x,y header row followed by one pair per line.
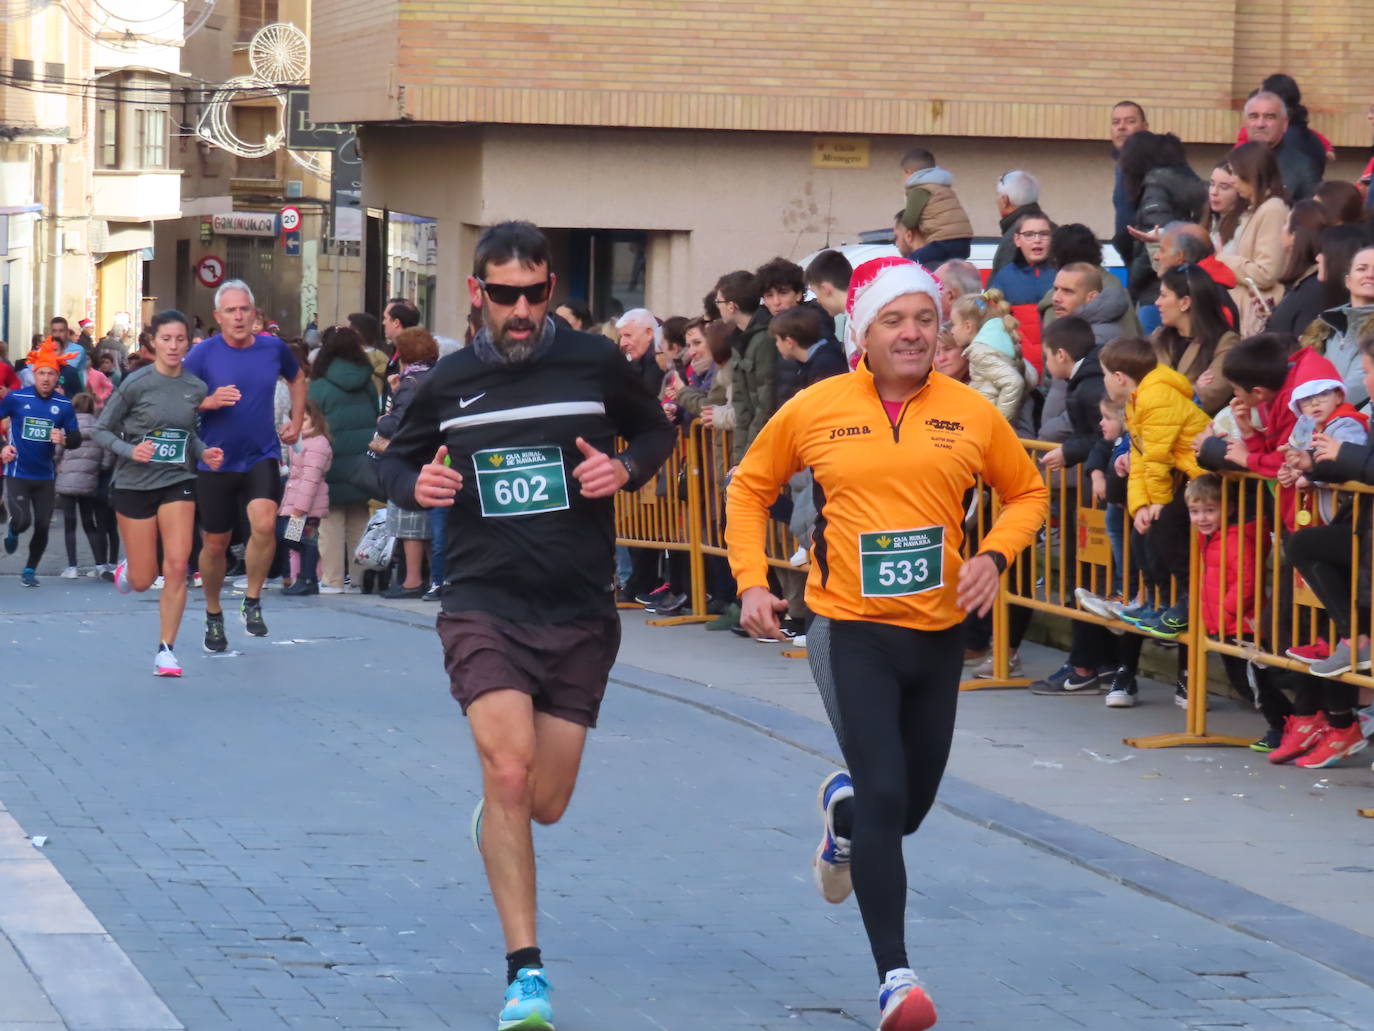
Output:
x,y
210,271
290,218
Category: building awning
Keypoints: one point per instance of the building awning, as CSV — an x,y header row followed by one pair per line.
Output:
x,y
20,209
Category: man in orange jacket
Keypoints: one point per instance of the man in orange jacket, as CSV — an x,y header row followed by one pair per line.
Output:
x,y
894,449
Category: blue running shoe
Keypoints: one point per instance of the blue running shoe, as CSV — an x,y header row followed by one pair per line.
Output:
x,y
1168,625
904,1003
28,578
11,542
1138,614
527,1003
830,865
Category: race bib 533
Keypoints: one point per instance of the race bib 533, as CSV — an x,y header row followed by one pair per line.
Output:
x,y
895,563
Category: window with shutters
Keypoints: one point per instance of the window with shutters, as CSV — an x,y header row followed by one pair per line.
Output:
x,y
253,15
150,132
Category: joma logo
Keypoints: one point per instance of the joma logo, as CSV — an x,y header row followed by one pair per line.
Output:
x,y
849,431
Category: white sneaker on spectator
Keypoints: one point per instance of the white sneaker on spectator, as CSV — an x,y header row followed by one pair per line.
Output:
x,y
346,589
1106,608
158,584
240,584
70,573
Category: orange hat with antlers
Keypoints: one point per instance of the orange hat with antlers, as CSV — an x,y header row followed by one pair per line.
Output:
x,y
48,355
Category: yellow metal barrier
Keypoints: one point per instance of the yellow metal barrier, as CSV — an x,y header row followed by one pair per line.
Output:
x,y
683,509
1294,614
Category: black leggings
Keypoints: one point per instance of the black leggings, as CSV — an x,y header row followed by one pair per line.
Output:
x,y
97,519
1322,555
891,694
30,503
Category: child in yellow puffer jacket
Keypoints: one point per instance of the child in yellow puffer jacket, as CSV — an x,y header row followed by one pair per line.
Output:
x,y
1163,422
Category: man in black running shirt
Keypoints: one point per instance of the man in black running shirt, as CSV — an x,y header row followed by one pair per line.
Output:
x,y
516,436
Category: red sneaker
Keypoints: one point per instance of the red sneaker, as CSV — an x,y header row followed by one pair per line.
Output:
x,y
1332,746
1309,653
1300,733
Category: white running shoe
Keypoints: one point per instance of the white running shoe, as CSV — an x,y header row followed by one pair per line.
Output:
x,y
158,584
70,573
121,578
166,665
904,1003
830,863
241,584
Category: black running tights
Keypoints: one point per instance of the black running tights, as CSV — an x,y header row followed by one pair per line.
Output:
x,y
891,694
30,503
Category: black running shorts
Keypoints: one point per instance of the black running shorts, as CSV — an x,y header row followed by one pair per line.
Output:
x,y
223,495
143,504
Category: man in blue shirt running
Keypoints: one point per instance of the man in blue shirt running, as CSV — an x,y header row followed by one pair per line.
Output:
x,y
241,368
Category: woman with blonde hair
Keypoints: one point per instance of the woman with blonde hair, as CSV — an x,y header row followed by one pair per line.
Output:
x,y
991,338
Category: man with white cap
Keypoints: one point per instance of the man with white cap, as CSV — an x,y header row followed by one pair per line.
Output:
x,y
893,447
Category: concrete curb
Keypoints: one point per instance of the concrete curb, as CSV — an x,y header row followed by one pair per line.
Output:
x,y
61,948
1320,940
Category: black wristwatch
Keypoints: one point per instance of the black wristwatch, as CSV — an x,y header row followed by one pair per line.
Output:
x,y
998,559
631,466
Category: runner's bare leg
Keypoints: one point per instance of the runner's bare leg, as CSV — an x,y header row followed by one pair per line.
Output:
x,y
262,543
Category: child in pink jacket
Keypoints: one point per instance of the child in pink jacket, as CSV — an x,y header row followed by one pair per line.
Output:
x,y
306,494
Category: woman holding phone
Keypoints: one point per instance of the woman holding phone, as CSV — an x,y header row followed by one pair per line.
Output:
x,y
150,425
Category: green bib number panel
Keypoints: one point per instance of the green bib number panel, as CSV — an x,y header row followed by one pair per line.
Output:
x,y
37,429
520,481
896,563
169,446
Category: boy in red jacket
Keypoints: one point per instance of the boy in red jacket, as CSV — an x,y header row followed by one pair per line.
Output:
x,y
1228,596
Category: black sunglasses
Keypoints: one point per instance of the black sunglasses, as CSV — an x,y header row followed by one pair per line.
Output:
x,y
509,296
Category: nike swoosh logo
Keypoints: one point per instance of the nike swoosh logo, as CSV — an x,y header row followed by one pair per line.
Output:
x,y
463,402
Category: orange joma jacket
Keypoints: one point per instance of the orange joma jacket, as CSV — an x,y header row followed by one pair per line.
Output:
x,y
898,487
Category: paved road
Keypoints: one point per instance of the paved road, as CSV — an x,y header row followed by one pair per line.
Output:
x,y
279,840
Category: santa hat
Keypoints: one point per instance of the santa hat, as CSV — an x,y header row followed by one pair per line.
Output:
x,y
876,284
48,355
85,324
1320,376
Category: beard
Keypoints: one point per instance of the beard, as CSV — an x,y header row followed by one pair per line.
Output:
x,y
510,349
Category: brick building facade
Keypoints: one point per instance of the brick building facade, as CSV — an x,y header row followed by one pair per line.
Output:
x,y
685,129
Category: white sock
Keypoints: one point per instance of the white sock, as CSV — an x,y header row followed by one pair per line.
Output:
x,y
901,973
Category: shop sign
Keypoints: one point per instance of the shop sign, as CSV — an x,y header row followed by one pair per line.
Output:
x,y
245,223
